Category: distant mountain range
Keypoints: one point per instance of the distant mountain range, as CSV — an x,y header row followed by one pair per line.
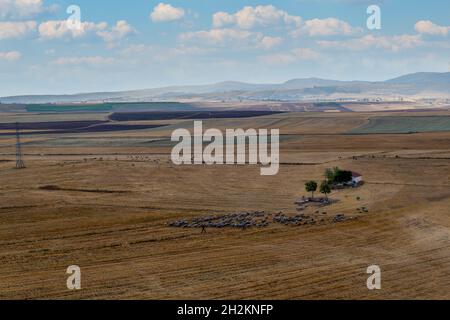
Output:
x,y
417,85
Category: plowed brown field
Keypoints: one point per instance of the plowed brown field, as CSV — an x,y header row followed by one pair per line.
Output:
x,y
110,211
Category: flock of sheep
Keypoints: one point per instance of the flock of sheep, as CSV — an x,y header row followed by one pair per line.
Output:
x,y
236,220
258,219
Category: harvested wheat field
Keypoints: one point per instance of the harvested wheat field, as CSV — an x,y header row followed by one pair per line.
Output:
x,y
104,201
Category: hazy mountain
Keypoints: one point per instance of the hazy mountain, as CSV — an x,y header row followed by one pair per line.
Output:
x,y
418,84
430,83
423,78
310,83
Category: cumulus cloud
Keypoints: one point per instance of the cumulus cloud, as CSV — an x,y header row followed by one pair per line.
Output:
x,y
20,8
259,16
227,36
119,31
292,56
430,28
10,55
217,36
392,43
165,12
57,29
328,27
12,30
269,16
270,42
89,60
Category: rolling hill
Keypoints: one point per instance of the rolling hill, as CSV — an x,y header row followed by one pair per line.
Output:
x,y
423,84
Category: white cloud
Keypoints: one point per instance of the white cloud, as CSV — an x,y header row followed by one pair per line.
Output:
x,y
56,29
90,60
166,12
229,37
217,36
328,27
10,55
119,31
20,8
291,56
428,27
392,43
269,16
12,30
221,19
259,16
270,42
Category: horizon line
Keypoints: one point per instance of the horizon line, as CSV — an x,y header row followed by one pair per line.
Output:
x,y
214,83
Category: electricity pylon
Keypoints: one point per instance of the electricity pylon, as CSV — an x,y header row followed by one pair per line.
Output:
x,y
19,162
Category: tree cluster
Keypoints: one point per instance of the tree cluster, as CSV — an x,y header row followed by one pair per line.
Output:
x,y
332,177
337,176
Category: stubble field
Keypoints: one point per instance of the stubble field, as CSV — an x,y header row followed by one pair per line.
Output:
x,y
105,207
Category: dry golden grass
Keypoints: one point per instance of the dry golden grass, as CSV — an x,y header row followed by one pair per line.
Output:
x,y
125,249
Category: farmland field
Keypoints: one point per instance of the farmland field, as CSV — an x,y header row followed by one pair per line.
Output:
x,y
78,128
108,107
141,116
405,124
104,201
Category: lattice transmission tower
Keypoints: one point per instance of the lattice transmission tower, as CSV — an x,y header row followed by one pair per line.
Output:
x,y
19,156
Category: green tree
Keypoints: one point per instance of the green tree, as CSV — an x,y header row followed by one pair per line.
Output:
x,y
336,172
329,175
325,188
342,176
311,186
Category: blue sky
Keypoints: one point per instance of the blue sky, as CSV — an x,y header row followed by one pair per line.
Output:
x,y
121,45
